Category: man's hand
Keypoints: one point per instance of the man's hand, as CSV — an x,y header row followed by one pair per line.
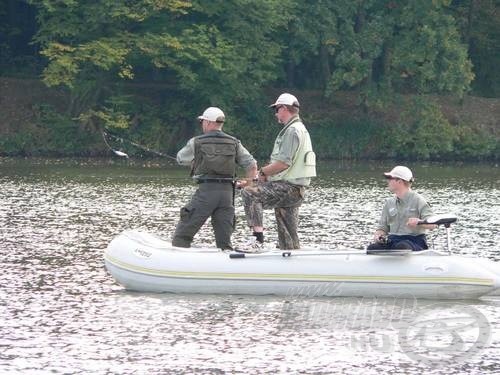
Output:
x,y
241,184
413,221
378,234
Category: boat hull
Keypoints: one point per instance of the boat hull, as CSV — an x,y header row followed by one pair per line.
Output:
x,y
143,262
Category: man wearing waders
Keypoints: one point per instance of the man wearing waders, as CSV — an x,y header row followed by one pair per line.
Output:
x,y
283,181
213,157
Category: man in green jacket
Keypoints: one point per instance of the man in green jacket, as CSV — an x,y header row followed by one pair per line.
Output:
x,y
213,157
282,183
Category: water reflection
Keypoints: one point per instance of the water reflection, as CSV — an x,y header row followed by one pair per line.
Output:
x,y
62,313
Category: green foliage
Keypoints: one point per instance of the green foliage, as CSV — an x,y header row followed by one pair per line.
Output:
x,y
353,139
202,53
17,57
146,68
376,45
17,144
254,124
422,133
52,133
475,144
219,50
479,24
112,115
427,53
80,38
63,135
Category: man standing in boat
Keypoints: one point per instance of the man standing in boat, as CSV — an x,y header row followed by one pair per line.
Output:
x,y
213,157
282,182
399,227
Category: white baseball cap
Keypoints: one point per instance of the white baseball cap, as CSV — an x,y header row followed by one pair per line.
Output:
x,y
286,99
401,172
213,114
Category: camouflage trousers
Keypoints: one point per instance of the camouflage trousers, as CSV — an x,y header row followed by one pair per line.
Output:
x,y
285,198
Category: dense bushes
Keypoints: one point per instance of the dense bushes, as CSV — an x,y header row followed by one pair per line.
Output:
x,y
145,69
412,129
421,133
52,134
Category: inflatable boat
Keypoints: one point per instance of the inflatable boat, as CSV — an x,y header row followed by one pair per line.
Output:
x,y
142,261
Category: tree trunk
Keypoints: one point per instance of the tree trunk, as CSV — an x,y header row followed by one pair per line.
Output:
x,y
386,65
290,73
470,15
324,64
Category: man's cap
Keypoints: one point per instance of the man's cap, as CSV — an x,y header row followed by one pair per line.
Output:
x,y
286,99
213,114
401,172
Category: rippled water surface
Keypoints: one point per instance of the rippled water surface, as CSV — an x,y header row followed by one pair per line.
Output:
x,y
61,312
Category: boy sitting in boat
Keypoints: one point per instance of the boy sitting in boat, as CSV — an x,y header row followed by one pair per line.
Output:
x,y
398,227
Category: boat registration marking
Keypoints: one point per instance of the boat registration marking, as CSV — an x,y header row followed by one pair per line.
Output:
x,y
142,253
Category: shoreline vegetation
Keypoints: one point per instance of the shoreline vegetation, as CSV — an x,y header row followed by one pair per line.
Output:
x,y
400,80
35,122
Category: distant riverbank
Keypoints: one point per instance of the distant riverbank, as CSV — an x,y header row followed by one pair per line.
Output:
x,y
35,121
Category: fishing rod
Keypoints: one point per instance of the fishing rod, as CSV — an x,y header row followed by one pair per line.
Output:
x,y
117,152
106,133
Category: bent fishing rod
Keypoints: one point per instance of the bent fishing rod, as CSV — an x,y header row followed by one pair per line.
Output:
x,y
106,133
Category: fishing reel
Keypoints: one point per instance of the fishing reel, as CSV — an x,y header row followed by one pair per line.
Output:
x,y
383,240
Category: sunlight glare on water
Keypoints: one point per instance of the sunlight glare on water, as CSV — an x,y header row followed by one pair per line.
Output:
x,y
61,312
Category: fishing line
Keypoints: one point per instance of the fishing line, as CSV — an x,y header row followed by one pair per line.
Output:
x,y
106,133
119,153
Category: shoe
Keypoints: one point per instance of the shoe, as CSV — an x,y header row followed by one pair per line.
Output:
x,y
251,246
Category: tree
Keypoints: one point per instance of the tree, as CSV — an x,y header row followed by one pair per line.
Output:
x,y
218,49
479,22
192,53
381,47
17,27
312,37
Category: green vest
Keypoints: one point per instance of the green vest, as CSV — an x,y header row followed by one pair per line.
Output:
x,y
304,161
215,155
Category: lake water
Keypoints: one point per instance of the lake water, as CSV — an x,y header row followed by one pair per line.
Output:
x,y
61,312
